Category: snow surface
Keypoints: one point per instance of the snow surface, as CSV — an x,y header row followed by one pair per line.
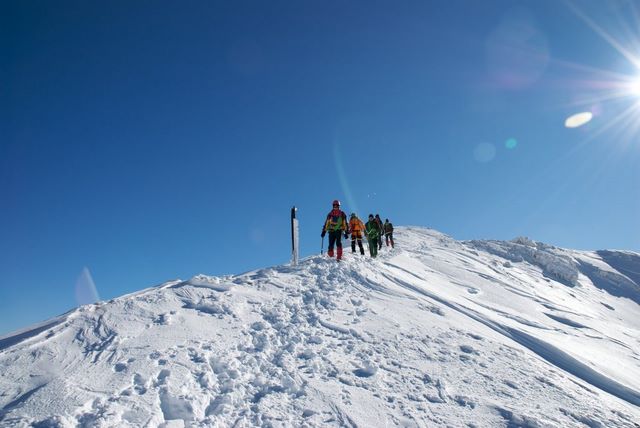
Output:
x,y
435,332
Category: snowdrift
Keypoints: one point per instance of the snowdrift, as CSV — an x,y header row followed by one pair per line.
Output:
x,y
434,332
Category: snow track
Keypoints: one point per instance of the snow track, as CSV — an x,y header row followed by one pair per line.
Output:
x,y
435,332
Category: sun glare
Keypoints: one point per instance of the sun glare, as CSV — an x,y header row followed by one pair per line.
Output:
x,y
612,97
634,87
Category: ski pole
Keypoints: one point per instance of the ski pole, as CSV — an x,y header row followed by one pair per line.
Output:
x,y
322,246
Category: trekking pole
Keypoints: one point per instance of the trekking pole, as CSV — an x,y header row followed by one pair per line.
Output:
x,y
322,246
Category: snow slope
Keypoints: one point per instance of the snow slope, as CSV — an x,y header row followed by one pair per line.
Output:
x,y
436,332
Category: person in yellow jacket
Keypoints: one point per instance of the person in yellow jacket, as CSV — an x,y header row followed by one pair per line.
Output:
x,y
356,228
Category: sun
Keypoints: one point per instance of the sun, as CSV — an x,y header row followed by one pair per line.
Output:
x,y
612,97
634,86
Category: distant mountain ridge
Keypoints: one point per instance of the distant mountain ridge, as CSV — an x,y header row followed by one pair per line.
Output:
x,y
435,332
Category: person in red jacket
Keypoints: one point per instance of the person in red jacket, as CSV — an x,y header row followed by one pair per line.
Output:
x,y
336,225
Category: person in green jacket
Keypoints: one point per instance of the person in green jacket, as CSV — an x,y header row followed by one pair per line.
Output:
x,y
379,220
373,231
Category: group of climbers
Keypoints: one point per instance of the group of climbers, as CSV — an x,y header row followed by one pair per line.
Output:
x,y
336,225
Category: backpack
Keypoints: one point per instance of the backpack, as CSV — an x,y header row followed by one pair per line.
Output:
x,y
355,225
372,229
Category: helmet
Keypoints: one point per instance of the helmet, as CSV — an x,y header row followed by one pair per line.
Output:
x,y
336,202
370,215
353,215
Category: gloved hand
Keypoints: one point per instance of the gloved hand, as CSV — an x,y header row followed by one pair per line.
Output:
x,y
324,232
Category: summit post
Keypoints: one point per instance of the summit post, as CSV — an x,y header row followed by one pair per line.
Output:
x,y
294,237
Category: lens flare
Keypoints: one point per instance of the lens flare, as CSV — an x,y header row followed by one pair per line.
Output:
x,y
342,176
484,152
578,120
517,51
86,292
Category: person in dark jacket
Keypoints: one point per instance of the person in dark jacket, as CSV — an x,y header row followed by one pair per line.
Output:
x,y
379,221
388,232
373,232
336,225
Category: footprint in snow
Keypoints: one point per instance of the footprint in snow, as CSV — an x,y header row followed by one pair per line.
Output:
x,y
162,319
197,357
465,357
465,401
307,413
511,384
468,349
162,377
139,384
366,371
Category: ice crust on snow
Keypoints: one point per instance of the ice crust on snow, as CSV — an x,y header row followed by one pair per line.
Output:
x,y
435,332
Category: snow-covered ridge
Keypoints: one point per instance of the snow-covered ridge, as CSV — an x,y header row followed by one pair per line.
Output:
x,y
434,332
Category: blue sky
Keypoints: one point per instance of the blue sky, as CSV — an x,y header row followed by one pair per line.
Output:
x,y
148,141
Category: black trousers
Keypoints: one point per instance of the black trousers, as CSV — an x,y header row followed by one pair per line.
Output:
x,y
353,245
389,237
335,238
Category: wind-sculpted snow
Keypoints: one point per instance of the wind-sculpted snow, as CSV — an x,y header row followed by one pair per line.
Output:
x,y
553,264
625,262
30,332
620,276
435,332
